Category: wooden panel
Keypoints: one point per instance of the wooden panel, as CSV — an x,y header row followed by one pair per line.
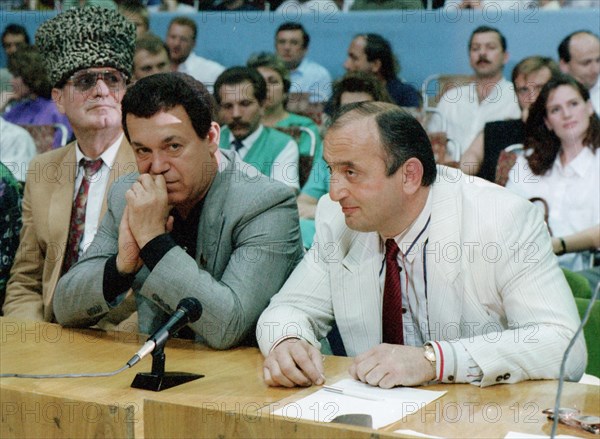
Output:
x,y
165,420
29,415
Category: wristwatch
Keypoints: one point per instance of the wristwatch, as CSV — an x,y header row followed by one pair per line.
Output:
x,y
429,355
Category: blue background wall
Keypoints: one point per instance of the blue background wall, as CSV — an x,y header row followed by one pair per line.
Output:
x,y
426,42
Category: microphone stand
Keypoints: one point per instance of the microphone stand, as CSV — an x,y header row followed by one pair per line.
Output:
x,y
158,379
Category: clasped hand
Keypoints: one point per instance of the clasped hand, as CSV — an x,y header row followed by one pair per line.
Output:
x,y
145,217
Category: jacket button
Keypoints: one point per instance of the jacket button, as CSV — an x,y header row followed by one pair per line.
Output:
x,y
506,376
450,377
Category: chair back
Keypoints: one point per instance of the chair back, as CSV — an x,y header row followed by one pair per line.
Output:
x,y
506,161
299,103
305,161
434,87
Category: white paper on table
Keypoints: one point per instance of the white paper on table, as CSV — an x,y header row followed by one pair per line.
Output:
x,y
515,435
390,405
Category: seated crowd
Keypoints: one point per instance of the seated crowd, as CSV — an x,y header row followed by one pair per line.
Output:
x,y
274,194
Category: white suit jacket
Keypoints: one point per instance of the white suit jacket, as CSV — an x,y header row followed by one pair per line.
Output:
x,y
493,283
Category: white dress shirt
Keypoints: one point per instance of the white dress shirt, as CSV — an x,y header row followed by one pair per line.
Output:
x,y
465,116
96,192
572,193
202,69
17,148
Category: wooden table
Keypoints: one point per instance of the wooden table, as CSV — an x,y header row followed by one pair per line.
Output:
x,y
230,401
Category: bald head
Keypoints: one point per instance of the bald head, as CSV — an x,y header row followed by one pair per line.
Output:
x,y
580,57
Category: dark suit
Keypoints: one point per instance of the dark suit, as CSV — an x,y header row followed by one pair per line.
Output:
x,y
248,243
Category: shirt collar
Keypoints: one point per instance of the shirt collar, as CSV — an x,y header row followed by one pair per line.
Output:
x,y
579,165
108,156
248,141
410,241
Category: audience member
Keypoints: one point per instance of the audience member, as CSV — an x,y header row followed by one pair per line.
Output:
x,y
579,54
151,56
17,148
172,6
490,97
377,5
14,37
372,53
10,224
235,5
136,12
181,39
561,164
528,78
380,269
290,7
32,91
88,53
241,93
291,44
277,78
195,222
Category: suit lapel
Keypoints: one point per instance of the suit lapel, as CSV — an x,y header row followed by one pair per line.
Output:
x,y
359,300
212,218
444,292
59,217
61,202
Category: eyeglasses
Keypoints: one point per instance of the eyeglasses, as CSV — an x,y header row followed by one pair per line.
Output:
x,y
574,418
85,80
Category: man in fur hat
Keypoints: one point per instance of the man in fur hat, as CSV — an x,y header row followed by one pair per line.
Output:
x,y
89,54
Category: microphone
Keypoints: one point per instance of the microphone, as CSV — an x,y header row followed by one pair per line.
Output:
x,y
188,311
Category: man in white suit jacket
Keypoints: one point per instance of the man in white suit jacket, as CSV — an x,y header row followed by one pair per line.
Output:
x,y
483,299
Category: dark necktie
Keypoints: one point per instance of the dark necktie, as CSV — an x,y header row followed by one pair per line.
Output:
x,y
90,167
392,296
237,145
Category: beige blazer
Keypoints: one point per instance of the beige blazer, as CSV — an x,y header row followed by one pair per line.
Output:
x,y
47,207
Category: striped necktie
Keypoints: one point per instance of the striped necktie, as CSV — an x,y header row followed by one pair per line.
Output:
x,y
90,167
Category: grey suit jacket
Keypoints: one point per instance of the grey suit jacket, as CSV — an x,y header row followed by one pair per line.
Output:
x,y
248,244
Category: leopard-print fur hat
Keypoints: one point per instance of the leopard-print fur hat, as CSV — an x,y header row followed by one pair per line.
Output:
x,y
83,38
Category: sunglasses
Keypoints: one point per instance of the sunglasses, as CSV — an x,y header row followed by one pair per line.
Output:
x,y
86,80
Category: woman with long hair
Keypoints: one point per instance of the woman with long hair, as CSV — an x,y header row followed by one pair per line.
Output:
x,y
561,163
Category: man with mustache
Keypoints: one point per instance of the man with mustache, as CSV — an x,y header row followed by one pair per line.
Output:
x,y
241,93
489,97
88,54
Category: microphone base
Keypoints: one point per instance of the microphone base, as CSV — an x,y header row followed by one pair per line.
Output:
x,y
158,382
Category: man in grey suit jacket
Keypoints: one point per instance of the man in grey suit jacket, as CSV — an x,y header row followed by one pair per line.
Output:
x,y
196,222
478,297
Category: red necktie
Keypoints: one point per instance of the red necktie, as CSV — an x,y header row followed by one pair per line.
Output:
x,y
392,296
90,167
